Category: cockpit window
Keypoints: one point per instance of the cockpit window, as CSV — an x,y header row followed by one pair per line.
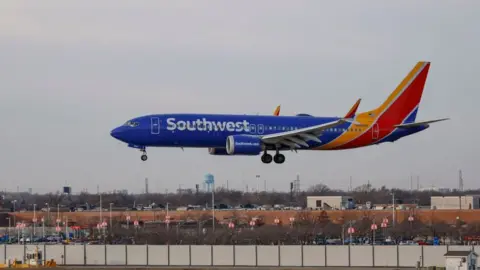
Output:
x,y
131,124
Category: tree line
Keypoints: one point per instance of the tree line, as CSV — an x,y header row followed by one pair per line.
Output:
x,y
361,195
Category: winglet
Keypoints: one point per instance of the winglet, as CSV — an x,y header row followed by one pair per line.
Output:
x,y
277,111
353,110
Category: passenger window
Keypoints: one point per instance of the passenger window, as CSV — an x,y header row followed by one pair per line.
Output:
x,y
253,128
260,129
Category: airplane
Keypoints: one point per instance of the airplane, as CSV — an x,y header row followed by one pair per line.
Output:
x,y
252,135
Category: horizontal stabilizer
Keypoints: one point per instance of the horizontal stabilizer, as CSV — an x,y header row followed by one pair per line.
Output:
x,y
418,124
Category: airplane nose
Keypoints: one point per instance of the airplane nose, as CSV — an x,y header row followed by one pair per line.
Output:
x,y
115,133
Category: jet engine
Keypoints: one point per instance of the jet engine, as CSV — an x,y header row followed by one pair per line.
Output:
x,y
247,145
217,151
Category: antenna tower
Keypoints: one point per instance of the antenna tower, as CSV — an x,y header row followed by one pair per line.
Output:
x,y
296,185
350,189
460,181
146,185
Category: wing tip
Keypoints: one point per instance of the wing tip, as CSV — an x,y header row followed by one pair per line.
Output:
x,y
277,111
351,113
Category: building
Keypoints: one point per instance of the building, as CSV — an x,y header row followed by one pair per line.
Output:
x,y
461,260
455,202
330,202
436,189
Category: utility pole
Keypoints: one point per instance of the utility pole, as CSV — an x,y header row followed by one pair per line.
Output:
x,y
101,208
460,181
411,183
213,207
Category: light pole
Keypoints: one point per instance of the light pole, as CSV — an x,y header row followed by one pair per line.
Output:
x,y
128,219
14,214
34,220
66,228
168,223
393,208
101,208
9,226
111,217
48,213
18,231
58,214
43,227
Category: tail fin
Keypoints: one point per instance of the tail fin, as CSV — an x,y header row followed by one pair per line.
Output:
x,y
402,104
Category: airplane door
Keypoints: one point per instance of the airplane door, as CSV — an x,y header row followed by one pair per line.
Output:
x,y
375,132
155,128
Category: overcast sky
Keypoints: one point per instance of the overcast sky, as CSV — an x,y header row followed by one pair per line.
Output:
x,y
72,71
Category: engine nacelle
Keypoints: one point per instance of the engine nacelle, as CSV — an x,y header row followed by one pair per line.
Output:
x,y
217,151
247,145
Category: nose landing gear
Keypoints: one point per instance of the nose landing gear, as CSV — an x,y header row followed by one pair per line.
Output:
x,y
144,156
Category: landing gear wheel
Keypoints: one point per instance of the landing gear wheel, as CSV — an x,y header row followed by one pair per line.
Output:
x,y
266,158
279,158
144,157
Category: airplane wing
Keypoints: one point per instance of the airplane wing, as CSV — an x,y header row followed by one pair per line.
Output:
x,y
296,138
418,124
277,111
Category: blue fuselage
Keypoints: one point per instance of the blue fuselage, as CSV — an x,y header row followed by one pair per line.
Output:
x,y
212,130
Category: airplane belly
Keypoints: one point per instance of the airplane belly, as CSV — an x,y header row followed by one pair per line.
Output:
x,y
187,139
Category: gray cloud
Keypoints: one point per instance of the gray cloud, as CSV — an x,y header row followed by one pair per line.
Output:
x,y
71,71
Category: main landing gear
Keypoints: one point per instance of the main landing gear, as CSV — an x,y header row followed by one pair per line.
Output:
x,y
144,156
278,158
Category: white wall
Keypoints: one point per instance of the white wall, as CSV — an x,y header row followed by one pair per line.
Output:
x,y
239,255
